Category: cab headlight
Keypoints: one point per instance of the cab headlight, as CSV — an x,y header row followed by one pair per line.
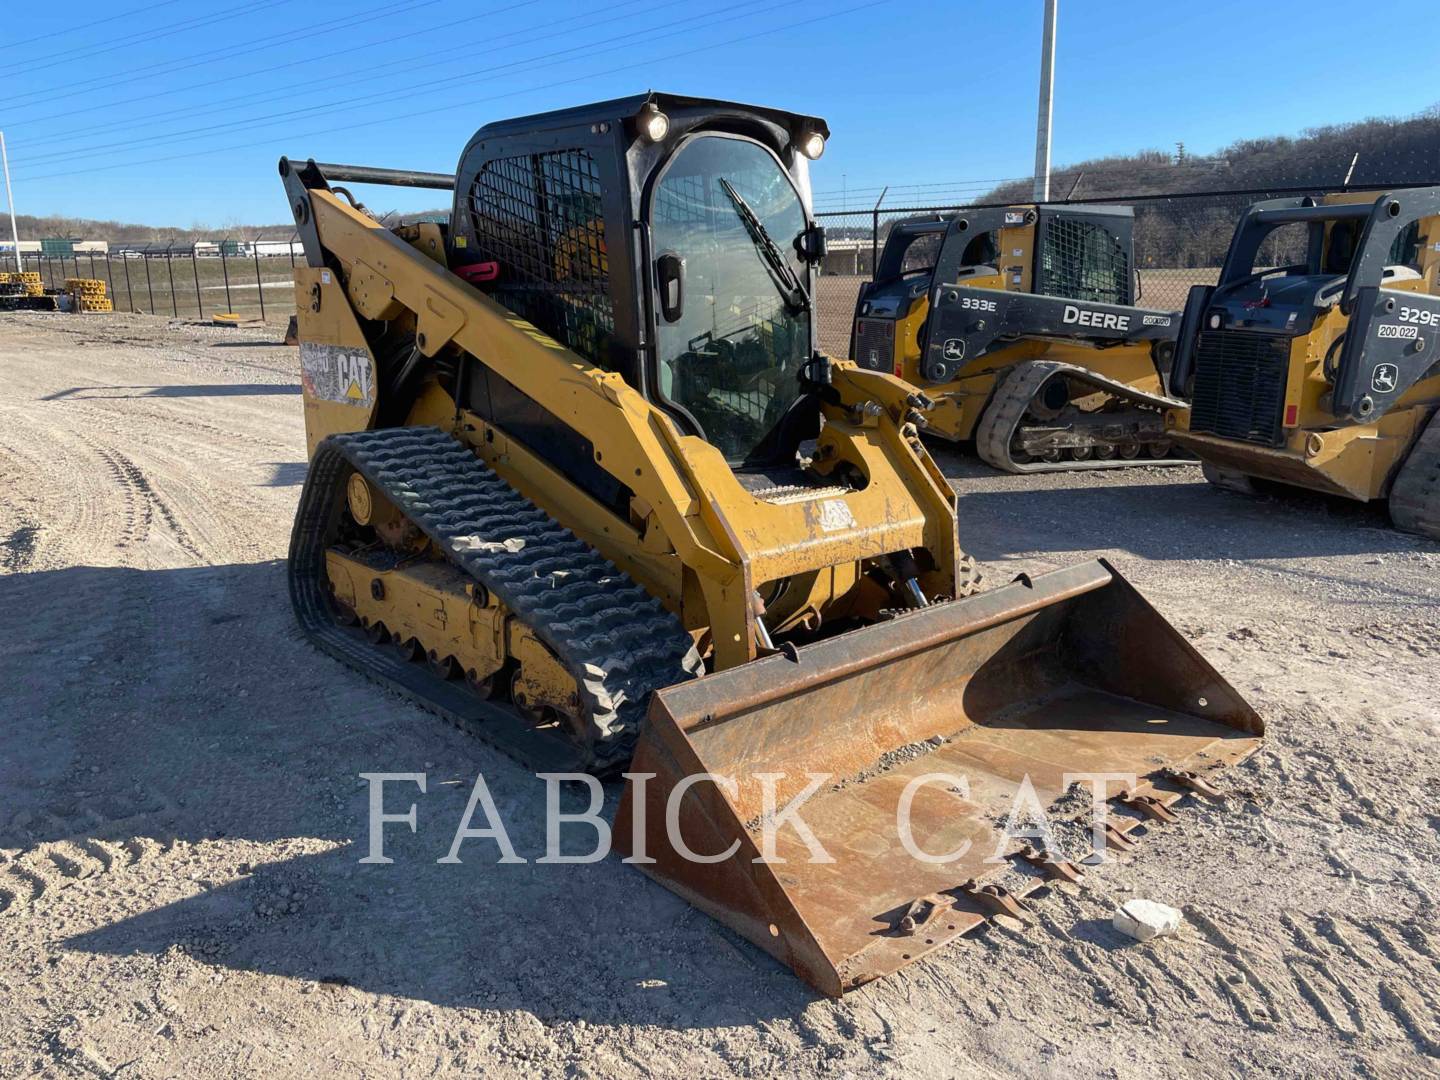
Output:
x,y
654,124
812,145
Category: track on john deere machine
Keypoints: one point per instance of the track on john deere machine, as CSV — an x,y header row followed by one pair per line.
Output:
x,y
1131,436
617,640
1415,495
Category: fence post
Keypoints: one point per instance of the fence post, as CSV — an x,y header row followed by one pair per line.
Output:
x,y
170,267
109,275
129,292
195,268
149,287
225,269
291,245
259,285
875,232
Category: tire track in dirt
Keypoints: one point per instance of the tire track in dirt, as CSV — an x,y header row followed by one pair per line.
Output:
x,y
1359,979
184,487
144,504
123,833
75,512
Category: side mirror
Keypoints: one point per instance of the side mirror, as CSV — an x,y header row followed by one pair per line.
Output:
x,y
810,244
670,284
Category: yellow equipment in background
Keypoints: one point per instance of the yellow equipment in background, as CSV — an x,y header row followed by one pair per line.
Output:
x,y
1018,322
29,280
87,294
1313,361
589,506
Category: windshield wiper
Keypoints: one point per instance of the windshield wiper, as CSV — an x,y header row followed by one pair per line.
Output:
x,y
792,289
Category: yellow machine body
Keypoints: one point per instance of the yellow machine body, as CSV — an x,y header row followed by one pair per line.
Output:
x,y
960,402
1059,371
709,615
1296,435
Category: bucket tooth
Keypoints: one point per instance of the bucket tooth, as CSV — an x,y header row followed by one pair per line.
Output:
x,y
996,899
1149,806
925,731
1117,839
918,915
1053,868
1194,782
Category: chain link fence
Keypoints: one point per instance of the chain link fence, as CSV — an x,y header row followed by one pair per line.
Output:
x,y
249,277
1180,241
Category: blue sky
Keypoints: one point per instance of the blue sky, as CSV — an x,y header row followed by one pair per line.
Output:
x,y
174,112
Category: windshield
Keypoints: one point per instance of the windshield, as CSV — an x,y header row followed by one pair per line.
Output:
x,y
732,357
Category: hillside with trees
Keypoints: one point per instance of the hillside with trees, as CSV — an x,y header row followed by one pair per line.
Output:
x,y
76,228
1195,231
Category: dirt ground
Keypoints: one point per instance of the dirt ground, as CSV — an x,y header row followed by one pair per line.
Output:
x,y
181,813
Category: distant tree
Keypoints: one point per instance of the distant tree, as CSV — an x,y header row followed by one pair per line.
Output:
x,y
1195,232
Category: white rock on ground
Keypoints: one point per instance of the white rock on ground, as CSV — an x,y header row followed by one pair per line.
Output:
x,y
1146,919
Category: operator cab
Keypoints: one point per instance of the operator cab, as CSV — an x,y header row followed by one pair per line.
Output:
x,y
1081,252
666,238
1290,259
1294,263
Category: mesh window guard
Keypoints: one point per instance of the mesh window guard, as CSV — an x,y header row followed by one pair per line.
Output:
x,y
540,217
1081,260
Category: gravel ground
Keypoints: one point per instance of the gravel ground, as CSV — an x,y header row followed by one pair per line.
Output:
x,y
181,813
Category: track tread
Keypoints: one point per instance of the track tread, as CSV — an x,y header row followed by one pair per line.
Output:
x,y
1415,494
618,641
1013,393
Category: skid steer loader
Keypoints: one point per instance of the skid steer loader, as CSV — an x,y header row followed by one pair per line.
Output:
x,y
1018,322
580,483
1312,362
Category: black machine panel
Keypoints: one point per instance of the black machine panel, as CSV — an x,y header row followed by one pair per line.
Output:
x,y
1239,388
875,344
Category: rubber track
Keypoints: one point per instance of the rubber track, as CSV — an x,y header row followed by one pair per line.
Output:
x,y
1415,494
614,637
1012,397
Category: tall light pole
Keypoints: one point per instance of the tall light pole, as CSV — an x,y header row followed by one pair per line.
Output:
x,y
10,198
1047,89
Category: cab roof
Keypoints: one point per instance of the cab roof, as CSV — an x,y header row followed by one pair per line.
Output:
x,y
620,109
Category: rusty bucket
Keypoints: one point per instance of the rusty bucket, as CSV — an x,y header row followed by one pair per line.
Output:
x,y
952,710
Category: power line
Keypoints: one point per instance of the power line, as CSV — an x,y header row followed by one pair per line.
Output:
x,y
91,24
305,61
406,63
101,82
473,102
618,41
961,185
141,37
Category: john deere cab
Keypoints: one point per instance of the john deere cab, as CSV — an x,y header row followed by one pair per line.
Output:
x,y
1312,361
1018,322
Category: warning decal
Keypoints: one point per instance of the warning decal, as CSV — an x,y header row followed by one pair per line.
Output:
x,y
337,373
835,515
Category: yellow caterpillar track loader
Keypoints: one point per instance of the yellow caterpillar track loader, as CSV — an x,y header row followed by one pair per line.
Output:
x,y
1312,362
1018,322
580,483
